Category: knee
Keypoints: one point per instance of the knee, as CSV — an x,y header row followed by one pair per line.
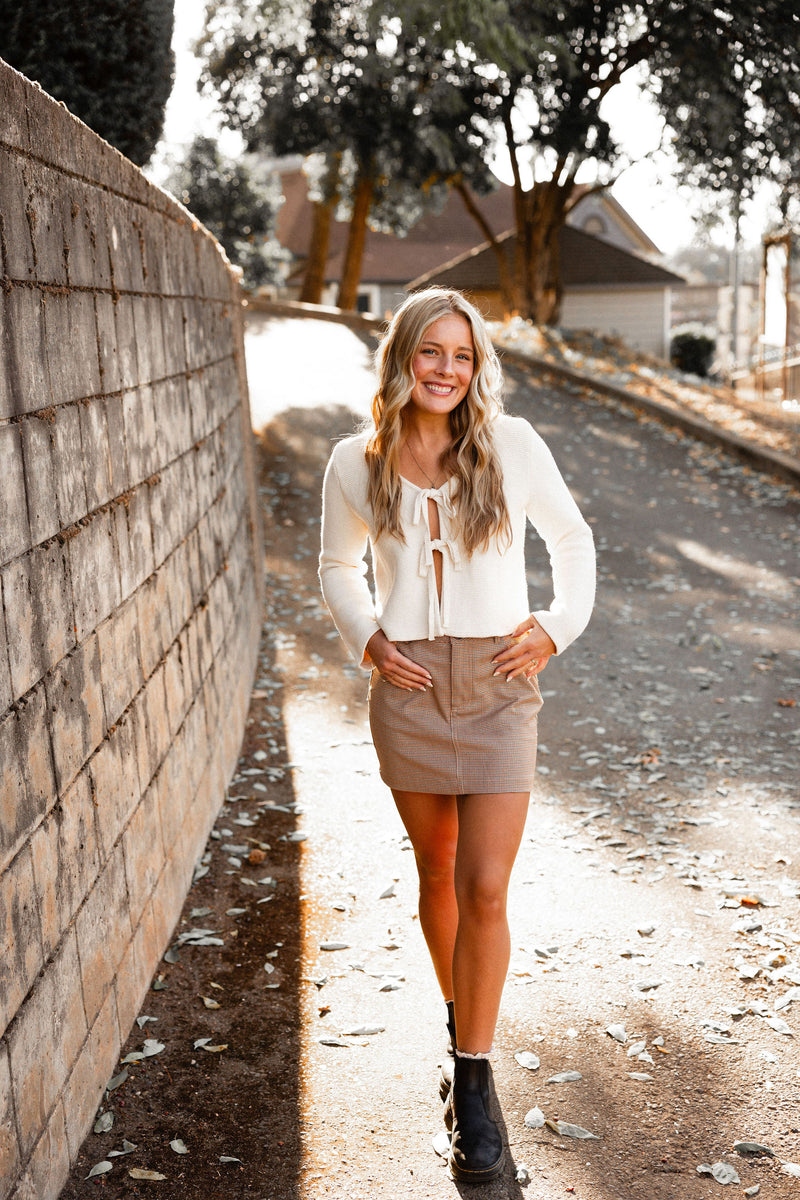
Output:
x,y
482,899
436,871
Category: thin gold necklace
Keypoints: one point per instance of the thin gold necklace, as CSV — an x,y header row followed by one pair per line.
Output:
x,y
423,472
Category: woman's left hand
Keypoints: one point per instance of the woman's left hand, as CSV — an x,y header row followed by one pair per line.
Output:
x,y
530,653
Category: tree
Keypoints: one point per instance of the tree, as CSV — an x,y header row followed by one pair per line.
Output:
x,y
335,78
237,203
723,75
109,61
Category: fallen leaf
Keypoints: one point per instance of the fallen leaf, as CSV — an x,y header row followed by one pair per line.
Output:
x,y
117,1081
152,1046
228,1158
101,1168
441,1143
534,1118
178,1146
617,1032
565,1077
103,1123
793,1169
565,1129
527,1059
334,946
723,1172
209,1003
141,1173
364,1031
752,1148
127,1148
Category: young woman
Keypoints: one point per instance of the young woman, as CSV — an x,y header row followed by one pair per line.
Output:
x,y
441,487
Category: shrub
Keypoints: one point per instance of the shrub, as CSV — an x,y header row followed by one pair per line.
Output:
x,y
692,349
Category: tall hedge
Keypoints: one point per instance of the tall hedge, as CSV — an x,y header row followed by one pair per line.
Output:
x,y
109,61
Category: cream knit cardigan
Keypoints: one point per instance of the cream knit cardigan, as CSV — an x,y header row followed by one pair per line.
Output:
x,y
484,595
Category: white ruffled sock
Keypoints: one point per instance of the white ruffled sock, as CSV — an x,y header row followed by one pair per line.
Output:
x,y
463,1054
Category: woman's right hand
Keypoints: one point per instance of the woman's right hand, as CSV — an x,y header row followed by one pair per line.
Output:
x,y
395,667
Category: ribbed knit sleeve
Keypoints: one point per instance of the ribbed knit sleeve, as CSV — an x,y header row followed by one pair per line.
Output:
x,y
556,518
342,565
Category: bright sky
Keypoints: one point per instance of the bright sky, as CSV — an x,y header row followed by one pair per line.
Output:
x,y
646,190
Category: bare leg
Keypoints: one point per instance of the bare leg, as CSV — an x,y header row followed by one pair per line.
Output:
x,y
431,822
489,833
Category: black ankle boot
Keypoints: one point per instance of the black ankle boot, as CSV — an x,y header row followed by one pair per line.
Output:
x,y
476,1147
446,1076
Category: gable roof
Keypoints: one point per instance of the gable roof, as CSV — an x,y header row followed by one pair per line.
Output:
x,y
586,261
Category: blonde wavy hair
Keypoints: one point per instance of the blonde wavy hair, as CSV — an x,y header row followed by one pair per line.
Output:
x,y
478,496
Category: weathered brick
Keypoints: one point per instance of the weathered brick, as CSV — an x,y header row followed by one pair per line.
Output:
x,y
133,976
120,474
104,932
35,754
120,658
77,717
15,534
45,1040
38,612
108,349
174,349
126,568
177,699
140,433
6,694
21,953
120,237
115,776
13,111
149,338
171,890
94,1068
152,600
139,560
48,1167
80,234
65,860
174,800
96,454
128,363
26,350
68,464
95,577
43,209
151,726
69,322
10,1159
144,853
37,453
16,241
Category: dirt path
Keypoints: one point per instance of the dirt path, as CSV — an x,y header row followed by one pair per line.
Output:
x,y
655,889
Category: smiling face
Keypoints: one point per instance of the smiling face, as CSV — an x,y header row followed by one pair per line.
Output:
x,y
443,365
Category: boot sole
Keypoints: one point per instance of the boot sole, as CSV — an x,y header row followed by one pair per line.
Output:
x,y
460,1175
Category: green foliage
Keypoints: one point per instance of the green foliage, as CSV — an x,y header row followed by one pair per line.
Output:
x,y
109,61
692,349
237,203
332,77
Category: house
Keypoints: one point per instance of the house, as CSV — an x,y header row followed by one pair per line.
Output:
x,y
607,289
611,281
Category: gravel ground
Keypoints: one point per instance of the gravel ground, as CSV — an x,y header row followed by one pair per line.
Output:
x,y
655,895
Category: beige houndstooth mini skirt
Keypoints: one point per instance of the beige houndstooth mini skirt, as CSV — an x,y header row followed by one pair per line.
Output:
x,y
472,732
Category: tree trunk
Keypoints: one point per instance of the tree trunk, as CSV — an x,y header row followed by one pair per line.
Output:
x,y
507,290
314,278
542,214
351,271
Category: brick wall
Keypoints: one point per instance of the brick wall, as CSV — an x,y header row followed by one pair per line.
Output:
x,y
129,604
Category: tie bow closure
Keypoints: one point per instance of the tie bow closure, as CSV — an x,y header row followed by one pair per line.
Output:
x,y
438,616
